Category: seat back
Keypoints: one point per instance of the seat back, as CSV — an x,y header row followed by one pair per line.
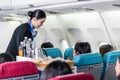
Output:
x,y
52,52
89,62
68,54
109,60
18,71
77,76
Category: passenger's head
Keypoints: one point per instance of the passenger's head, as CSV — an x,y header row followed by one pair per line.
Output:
x,y
105,48
37,17
5,57
47,45
55,68
117,67
82,47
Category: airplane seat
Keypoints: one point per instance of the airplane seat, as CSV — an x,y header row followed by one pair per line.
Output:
x,y
109,60
22,70
77,76
89,62
68,54
52,52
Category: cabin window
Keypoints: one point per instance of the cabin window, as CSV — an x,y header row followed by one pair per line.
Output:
x,y
64,44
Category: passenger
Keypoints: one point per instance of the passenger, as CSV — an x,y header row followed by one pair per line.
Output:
x,y
105,48
37,18
117,68
5,57
47,45
55,68
81,48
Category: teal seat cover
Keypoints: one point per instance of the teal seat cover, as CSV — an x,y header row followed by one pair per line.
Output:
x,y
111,56
68,53
52,52
87,59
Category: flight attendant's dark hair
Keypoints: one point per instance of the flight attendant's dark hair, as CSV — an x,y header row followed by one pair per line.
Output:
x,y
37,14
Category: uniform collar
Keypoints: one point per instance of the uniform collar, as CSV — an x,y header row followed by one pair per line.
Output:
x,y
32,30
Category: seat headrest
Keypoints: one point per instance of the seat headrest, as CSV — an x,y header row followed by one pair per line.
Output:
x,y
53,52
77,76
68,53
87,59
110,57
15,69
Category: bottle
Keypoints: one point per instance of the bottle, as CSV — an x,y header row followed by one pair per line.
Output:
x,y
33,45
29,48
33,53
30,42
36,53
25,41
20,49
24,46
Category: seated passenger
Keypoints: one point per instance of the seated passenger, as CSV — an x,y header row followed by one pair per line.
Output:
x,y
81,48
5,57
47,45
54,69
104,48
117,68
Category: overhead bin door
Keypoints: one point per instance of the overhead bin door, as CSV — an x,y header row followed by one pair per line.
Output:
x,y
30,3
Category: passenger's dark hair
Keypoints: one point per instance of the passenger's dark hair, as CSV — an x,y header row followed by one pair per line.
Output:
x,y
47,45
37,14
6,57
105,48
82,47
54,69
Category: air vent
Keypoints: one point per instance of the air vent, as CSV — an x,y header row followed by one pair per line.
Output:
x,y
51,12
9,16
8,19
116,5
84,0
31,5
6,9
89,9
4,20
21,14
83,9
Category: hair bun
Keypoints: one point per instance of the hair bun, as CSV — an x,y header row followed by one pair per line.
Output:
x,y
30,13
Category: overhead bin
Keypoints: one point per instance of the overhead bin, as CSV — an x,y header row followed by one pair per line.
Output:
x,y
41,3
25,4
32,3
54,6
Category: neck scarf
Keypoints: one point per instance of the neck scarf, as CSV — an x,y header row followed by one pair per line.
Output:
x,y
32,30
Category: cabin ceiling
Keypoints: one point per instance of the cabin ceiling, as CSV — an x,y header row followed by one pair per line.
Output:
x,y
99,6
16,7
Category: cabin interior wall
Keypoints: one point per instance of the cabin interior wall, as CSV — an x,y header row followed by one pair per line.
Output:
x,y
112,21
88,27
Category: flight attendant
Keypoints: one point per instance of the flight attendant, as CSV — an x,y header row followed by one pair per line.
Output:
x,y
37,18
